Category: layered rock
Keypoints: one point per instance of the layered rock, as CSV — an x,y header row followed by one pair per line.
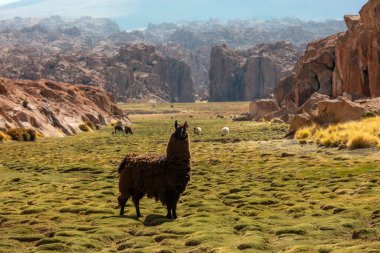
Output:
x,y
53,108
237,75
346,63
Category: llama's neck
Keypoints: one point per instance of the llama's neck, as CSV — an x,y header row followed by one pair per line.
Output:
x,y
178,149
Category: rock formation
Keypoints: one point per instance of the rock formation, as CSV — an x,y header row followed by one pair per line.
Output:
x,y
74,50
260,108
237,75
139,72
53,108
346,63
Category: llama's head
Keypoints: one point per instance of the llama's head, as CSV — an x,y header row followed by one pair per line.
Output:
x,y
179,144
180,130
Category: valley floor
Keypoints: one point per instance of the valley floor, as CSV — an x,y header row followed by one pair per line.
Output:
x,y
249,192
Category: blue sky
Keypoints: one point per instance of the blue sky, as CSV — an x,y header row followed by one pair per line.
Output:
x,y
133,14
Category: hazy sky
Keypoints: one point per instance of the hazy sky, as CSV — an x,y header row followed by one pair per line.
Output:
x,y
133,14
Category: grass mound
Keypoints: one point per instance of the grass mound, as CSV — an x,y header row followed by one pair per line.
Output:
x,y
351,135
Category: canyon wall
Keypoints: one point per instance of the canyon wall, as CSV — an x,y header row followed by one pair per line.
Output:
x,y
243,75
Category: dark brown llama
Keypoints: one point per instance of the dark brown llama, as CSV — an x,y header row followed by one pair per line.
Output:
x,y
163,178
128,130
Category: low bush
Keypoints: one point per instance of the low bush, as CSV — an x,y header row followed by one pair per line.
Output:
x,y
352,135
22,134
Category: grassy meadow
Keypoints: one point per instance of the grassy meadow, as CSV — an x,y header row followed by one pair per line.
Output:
x,y
251,191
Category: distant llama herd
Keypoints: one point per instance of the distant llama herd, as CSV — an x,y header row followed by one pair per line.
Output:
x,y
162,177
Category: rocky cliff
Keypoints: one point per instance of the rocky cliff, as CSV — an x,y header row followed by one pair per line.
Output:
x,y
139,72
242,75
53,108
346,63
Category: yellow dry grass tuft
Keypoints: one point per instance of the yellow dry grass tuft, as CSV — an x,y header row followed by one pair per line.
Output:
x,y
352,135
4,137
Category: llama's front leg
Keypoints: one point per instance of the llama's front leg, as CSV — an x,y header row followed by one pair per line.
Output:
x,y
169,214
136,202
122,201
170,206
174,210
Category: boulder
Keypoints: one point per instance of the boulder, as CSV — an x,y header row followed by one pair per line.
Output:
x,y
299,121
260,108
338,110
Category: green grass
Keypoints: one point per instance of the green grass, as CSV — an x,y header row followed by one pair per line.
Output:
x,y
59,194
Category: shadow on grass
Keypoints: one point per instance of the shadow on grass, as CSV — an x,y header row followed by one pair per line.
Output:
x,y
155,220
132,217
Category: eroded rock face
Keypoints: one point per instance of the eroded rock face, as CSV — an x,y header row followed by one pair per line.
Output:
x,y
53,108
344,63
237,75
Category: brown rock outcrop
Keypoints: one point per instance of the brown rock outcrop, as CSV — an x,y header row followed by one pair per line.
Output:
x,y
322,110
237,75
344,63
53,108
259,108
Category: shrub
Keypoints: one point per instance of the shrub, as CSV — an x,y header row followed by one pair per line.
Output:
x,y
362,140
352,135
90,124
303,133
84,127
4,137
369,115
22,134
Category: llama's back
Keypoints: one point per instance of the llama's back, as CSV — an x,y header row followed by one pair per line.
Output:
x,y
144,174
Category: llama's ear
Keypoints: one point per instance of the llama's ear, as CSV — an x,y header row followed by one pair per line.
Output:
x,y
185,125
176,124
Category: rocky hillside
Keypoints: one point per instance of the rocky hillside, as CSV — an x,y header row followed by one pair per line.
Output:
x,y
343,64
53,108
243,75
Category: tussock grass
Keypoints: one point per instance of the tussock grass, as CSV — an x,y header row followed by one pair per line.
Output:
x,y
4,137
351,135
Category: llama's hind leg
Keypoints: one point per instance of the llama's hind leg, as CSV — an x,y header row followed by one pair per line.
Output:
x,y
136,202
122,201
